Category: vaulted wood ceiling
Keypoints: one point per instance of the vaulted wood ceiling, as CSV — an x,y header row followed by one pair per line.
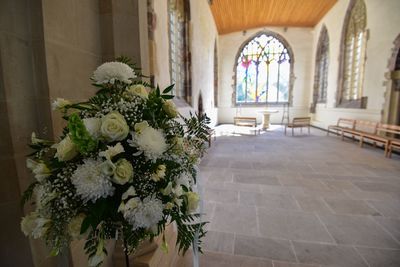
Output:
x,y
239,15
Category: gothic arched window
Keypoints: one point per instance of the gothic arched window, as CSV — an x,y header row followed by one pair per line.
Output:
x,y
263,71
321,68
179,17
353,58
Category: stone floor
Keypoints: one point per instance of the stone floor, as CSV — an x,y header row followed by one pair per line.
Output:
x,y
302,201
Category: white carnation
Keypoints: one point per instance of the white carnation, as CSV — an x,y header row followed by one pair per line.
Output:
x,y
110,72
143,214
90,181
150,141
34,225
93,125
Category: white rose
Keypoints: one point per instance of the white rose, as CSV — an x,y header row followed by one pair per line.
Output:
x,y
75,225
193,201
112,151
123,172
159,174
66,149
139,90
114,127
40,170
60,103
170,108
93,125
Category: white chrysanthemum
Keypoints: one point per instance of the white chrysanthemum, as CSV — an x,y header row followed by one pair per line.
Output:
x,y
109,72
91,182
185,179
150,141
146,214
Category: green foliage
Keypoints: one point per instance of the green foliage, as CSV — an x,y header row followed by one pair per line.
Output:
x,y
188,230
79,135
27,195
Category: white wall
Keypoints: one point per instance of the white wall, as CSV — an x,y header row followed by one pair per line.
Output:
x,y
383,22
299,39
203,34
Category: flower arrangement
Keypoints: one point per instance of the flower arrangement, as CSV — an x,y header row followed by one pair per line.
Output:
x,y
124,168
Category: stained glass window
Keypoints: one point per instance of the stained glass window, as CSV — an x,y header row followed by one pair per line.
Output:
x,y
263,71
354,52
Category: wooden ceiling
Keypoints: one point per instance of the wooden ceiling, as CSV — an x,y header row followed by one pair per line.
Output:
x,y
239,15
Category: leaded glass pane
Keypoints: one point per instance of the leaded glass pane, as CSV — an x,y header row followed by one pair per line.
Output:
x,y
263,71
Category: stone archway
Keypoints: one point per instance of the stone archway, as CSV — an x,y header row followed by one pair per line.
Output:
x,y
391,107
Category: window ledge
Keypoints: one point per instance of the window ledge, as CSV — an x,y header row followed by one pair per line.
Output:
x,y
354,103
257,105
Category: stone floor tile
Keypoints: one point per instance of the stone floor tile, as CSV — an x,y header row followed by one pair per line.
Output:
x,y
328,255
221,195
256,179
358,230
292,264
350,206
274,249
271,201
391,225
219,242
313,204
234,219
339,185
388,208
377,187
292,225
380,257
211,259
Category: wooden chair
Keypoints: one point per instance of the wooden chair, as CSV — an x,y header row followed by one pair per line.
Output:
x,y
299,122
341,124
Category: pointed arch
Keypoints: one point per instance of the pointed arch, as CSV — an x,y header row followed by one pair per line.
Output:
x,y
353,57
321,69
263,71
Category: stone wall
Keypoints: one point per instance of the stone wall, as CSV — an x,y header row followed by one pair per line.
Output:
x,y
203,34
382,21
300,41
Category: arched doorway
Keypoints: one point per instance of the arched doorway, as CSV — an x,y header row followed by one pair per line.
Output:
x,y
391,109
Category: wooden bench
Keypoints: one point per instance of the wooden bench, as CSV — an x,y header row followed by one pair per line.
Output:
x,y
383,136
394,143
342,123
247,122
361,127
299,122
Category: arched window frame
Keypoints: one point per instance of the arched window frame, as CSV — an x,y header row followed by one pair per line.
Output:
x,y
353,57
321,69
179,48
291,75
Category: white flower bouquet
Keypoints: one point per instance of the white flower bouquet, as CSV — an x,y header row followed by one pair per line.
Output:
x,y
124,169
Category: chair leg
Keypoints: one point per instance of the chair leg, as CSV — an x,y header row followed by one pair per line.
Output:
x,y
361,141
292,131
308,129
285,129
